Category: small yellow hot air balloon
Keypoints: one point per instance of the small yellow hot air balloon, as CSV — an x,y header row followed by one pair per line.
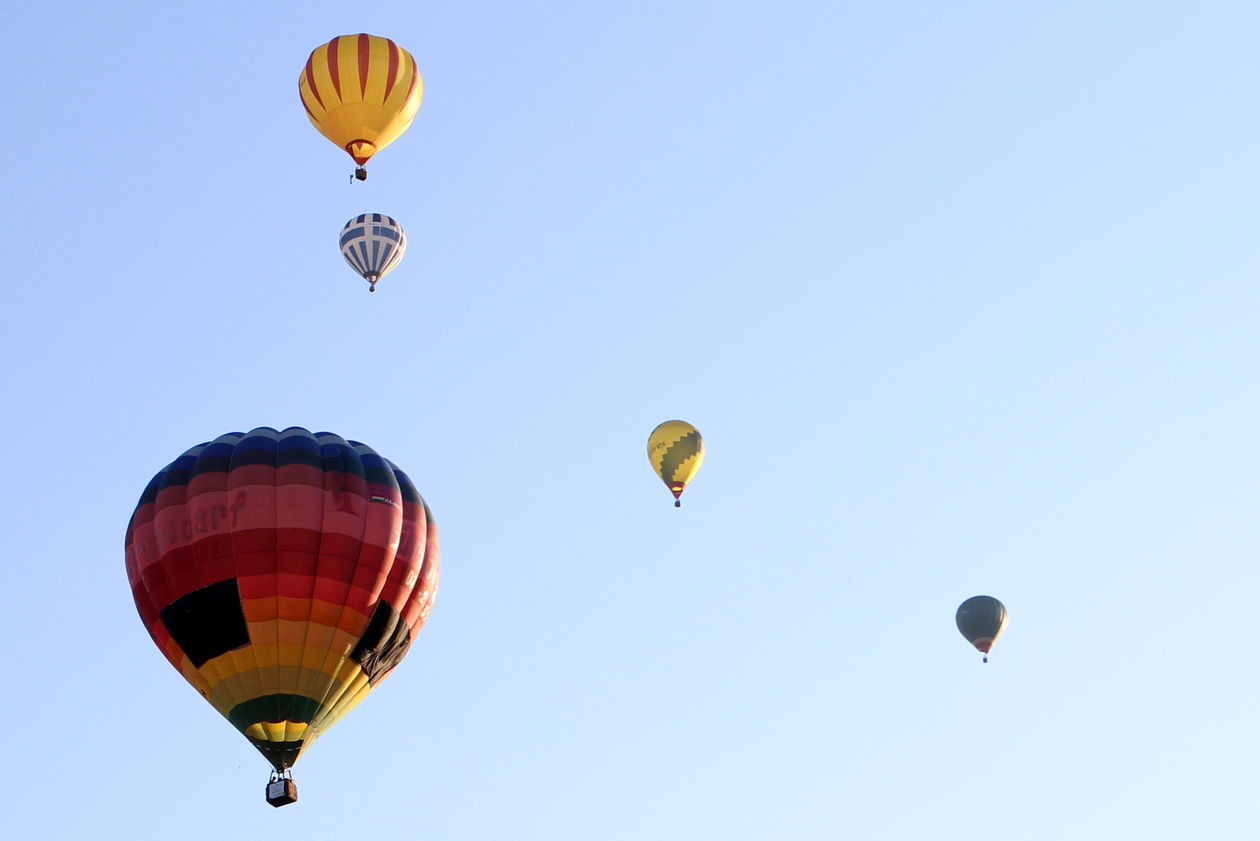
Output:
x,y
361,92
675,450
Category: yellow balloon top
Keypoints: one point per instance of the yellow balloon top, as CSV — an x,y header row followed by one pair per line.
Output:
x,y
361,92
675,450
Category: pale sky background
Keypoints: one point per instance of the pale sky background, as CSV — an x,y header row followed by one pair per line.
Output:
x,y
963,296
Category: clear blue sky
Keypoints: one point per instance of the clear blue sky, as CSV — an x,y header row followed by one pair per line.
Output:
x,y
963,296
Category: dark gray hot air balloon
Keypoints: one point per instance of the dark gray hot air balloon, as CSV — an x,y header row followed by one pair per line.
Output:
x,y
981,619
373,244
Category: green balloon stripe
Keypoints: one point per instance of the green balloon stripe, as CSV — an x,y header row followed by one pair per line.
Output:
x,y
677,453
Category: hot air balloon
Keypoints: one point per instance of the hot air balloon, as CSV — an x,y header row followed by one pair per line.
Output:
x,y
675,450
981,619
373,244
285,575
361,92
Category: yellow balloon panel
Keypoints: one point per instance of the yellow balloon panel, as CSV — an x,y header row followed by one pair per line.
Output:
x,y
675,450
361,92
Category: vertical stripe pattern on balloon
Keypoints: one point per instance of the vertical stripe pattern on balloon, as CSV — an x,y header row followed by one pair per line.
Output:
x,y
373,245
361,92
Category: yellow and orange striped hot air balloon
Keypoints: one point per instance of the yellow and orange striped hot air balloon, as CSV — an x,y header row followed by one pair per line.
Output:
x,y
361,92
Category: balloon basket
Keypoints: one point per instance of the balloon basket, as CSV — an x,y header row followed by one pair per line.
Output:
x,y
282,792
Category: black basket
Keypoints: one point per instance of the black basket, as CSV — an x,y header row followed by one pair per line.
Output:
x,y
281,792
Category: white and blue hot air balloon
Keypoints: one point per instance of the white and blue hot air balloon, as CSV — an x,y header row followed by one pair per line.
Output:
x,y
373,244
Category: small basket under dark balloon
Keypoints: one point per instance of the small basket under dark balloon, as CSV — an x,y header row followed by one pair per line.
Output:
x,y
282,790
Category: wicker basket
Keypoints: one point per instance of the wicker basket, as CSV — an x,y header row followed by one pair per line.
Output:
x,y
281,792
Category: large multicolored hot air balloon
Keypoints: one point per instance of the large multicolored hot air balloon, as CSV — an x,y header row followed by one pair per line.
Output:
x,y
373,244
675,450
361,92
981,619
284,574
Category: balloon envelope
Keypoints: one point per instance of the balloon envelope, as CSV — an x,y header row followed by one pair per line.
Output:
x,y
981,620
675,450
284,574
373,244
361,92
